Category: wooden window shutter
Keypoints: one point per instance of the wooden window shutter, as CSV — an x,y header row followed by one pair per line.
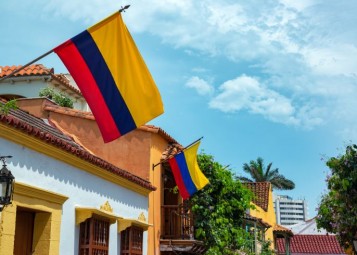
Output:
x,y
94,237
132,241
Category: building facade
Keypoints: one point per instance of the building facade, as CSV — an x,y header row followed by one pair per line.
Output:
x,y
67,200
168,221
29,82
290,211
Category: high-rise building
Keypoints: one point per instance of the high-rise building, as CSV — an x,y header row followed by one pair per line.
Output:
x,y
290,211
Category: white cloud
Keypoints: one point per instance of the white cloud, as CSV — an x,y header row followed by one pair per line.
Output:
x,y
331,61
302,51
246,93
201,86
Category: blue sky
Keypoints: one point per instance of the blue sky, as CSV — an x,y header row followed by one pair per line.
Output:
x,y
275,79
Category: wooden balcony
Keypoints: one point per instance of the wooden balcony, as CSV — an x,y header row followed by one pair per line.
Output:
x,y
178,231
177,222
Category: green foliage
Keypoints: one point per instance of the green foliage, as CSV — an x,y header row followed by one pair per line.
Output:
x,y
260,173
337,212
59,98
219,209
5,108
266,250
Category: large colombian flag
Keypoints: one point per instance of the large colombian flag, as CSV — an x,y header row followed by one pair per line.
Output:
x,y
112,76
188,176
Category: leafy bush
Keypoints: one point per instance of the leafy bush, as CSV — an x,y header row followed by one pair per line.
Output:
x,y
219,209
59,98
337,212
6,107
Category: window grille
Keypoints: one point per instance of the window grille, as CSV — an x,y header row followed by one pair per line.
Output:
x,y
132,241
94,237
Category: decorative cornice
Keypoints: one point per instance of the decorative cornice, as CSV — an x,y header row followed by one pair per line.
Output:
x,y
35,192
84,213
142,217
106,207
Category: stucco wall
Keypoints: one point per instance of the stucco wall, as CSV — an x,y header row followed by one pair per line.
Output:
x,y
267,216
29,88
130,152
157,147
82,188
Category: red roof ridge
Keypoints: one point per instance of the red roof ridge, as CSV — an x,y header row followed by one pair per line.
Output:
x,y
35,127
38,70
279,228
69,111
89,115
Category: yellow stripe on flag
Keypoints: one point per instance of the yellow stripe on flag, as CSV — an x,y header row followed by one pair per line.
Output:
x,y
198,178
128,68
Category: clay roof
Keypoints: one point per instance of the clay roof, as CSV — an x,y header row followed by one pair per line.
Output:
x,y
31,70
280,229
258,220
39,129
159,131
311,244
89,115
261,193
37,70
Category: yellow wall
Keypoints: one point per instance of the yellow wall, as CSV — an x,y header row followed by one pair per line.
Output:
x,y
48,207
267,216
157,147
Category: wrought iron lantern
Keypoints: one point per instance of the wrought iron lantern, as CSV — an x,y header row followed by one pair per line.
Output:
x,y
6,184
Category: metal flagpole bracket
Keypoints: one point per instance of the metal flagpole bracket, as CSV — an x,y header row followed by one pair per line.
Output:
x,y
155,165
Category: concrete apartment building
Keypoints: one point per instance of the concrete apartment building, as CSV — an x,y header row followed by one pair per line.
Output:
x,y
289,211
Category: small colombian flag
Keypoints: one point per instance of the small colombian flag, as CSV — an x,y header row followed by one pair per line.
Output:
x,y
112,76
188,176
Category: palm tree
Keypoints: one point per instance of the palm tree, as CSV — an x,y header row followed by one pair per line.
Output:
x,y
259,173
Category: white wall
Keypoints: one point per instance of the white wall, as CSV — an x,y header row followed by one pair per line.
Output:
x,y
82,188
31,88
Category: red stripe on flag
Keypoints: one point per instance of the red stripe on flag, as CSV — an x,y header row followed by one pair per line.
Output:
x,y
178,178
78,68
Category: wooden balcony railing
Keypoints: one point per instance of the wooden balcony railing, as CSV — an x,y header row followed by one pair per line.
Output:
x,y
177,222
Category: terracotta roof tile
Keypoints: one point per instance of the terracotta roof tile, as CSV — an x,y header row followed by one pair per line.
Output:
x,y
89,115
261,193
280,229
38,70
154,129
258,220
69,111
313,244
38,129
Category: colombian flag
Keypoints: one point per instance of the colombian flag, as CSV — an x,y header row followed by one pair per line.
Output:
x,y
188,176
112,76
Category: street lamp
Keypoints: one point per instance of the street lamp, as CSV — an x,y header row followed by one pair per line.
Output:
x,y
6,184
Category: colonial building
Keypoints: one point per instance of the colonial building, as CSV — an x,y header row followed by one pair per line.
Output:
x,y
30,81
66,199
169,220
264,224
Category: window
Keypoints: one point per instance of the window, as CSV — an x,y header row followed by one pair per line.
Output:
x,y
94,236
131,241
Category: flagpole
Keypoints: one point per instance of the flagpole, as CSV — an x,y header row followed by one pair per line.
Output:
x,y
188,146
122,9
